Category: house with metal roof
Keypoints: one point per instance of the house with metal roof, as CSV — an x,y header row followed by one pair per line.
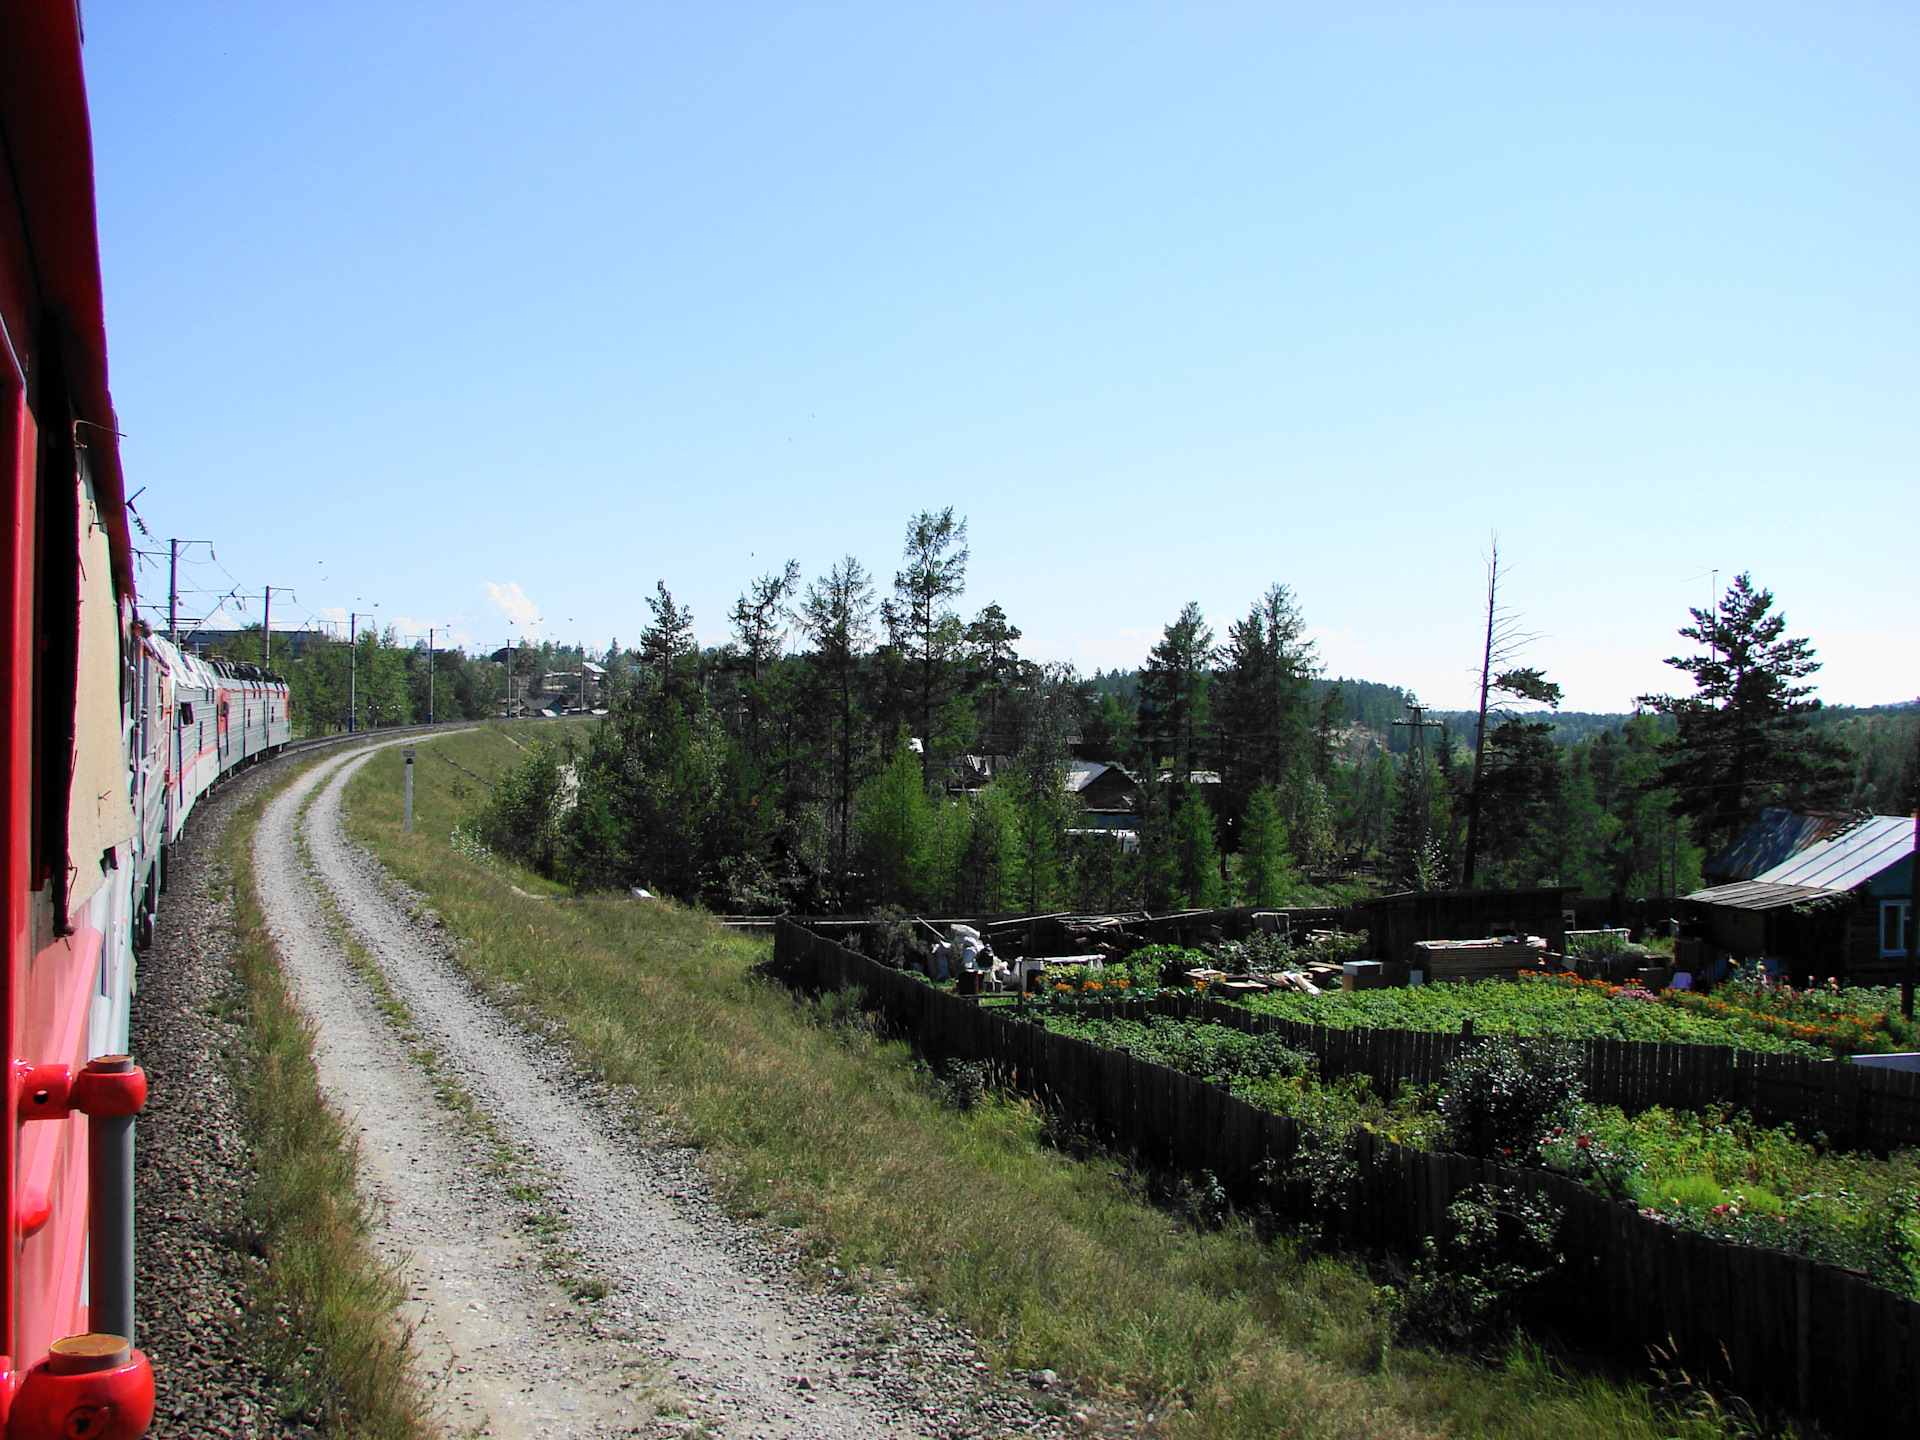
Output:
x,y
1109,797
1838,899
1776,837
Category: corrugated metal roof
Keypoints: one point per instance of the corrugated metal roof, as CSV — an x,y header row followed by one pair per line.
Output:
x,y
1849,857
1776,837
1083,773
1760,895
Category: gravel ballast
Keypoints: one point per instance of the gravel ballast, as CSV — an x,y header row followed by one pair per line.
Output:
x,y
192,1165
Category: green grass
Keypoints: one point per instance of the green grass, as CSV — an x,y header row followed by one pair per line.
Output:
x,y
324,1307
817,1124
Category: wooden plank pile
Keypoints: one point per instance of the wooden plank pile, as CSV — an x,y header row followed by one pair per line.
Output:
x,y
1479,959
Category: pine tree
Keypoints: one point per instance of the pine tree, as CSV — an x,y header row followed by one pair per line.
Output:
x,y
836,615
892,829
1193,855
925,635
1263,700
993,669
1266,875
1741,741
668,653
1520,796
1174,692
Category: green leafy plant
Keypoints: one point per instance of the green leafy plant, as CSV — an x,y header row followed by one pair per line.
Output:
x,y
1503,1097
1208,1051
1498,1247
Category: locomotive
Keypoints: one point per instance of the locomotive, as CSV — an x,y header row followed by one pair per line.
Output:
x,y
108,736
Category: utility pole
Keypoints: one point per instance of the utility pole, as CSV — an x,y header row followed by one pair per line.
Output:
x,y
266,628
429,678
1417,755
353,658
173,586
1913,893
1419,724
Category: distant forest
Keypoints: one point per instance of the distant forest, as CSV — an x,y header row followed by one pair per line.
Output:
x,y
858,744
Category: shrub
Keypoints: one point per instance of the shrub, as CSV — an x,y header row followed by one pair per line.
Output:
x,y
1168,964
525,816
1614,1168
1502,1098
1599,945
1498,1247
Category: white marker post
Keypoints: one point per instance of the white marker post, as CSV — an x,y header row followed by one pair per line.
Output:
x,y
407,755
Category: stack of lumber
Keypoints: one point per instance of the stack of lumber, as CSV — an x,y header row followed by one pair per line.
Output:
x,y
1502,959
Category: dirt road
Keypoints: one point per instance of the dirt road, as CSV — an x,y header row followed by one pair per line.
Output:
x,y
671,1318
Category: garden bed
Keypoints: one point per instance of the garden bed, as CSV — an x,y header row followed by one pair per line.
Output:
x,y
1744,1014
1717,1170
1768,1019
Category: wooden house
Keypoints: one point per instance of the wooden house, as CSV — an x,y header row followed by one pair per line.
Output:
x,y
1109,796
1775,838
1840,903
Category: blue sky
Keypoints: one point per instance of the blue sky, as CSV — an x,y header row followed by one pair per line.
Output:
x,y
496,312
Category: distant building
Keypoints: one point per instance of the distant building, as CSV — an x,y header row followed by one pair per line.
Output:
x,y
972,772
1109,797
1102,785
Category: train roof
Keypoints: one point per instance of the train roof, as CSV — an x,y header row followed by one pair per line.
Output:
x,y
240,670
185,668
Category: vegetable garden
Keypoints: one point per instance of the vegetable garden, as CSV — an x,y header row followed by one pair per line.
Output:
x,y
1714,1170
1746,1014
1494,1174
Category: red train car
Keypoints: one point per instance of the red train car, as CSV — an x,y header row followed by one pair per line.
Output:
x,y
69,839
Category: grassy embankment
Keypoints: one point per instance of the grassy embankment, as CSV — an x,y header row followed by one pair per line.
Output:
x,y
324,1306
1052,1262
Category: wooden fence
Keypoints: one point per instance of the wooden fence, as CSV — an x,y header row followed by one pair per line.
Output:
x,y
1821,1342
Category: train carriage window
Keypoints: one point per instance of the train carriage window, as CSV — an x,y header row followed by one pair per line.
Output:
x,y
186,712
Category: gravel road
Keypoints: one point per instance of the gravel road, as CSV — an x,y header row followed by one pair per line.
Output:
x,y
667,1318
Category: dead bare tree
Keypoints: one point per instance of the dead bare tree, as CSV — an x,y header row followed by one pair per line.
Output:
x,y
1504,639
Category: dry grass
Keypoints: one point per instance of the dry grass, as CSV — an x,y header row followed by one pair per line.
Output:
x,y
324,1306
819,1125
